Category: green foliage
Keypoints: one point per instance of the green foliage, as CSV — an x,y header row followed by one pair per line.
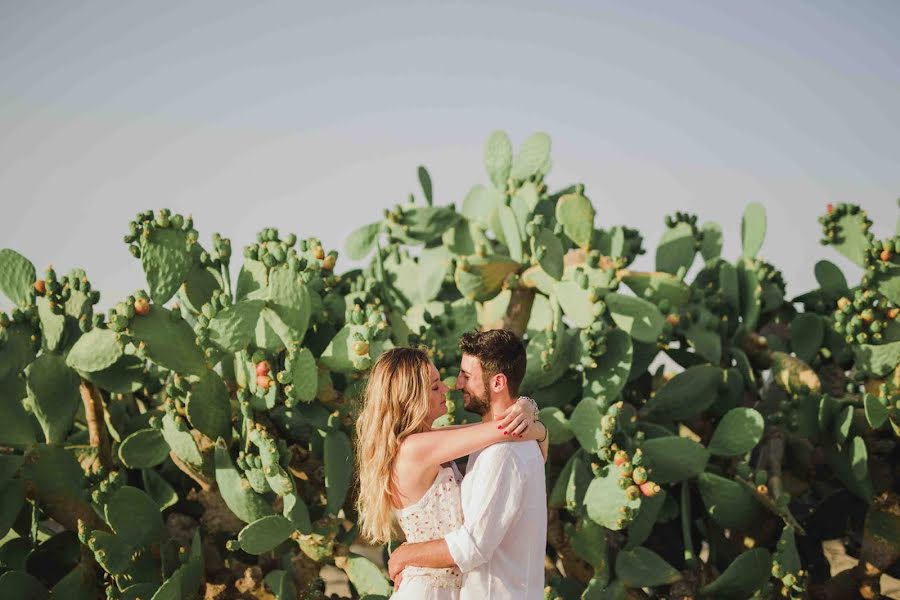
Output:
x,y
202,413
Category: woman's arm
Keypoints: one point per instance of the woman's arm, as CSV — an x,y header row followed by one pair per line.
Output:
x,y
443,445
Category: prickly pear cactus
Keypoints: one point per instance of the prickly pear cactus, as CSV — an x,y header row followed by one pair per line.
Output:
x,y
708,430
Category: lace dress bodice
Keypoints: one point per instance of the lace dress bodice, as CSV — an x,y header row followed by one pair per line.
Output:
x,y
433,516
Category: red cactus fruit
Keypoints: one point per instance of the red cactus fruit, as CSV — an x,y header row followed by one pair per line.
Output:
x,y
830,208
40,286
263,381
141,306
885,255
649,489
262,368
620,458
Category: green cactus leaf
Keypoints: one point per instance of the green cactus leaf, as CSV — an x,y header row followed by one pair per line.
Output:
x,y
281,584
481,278
199,285
687,394
853,239
57,480
365,576
423,224
656,287
562,354
572,483
290,300
480,203
576,213
246,504
265,534
750,294
361,241
184,583
585,424
158,489
169,341
464,238
434,266
641,567
19,585
208,406
877,360
124,377
17,350
637,317
676,249
640,528
843,423
876,412
606,382
425,182
143,449
706,342
53,390
711,246
233,327
498,157
17,277
558,427
551,260
727,501
749,571
340,355
841,463
859,457
575,302
112,552
77,584
94,351
181,442
753,229
511,234
296,511
532,159
673,459
253,277
304,375
604,498
134,517
166,260
12,499
52,324
807,335
888,283
830,278
589,542
338,469
738,432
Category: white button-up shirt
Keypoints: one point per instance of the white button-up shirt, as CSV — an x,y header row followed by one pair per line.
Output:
x,y
500,548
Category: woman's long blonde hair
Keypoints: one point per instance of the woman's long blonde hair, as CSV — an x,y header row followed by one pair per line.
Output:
x,y
395,406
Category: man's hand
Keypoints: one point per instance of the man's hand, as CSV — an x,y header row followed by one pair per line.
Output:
x,y
397,562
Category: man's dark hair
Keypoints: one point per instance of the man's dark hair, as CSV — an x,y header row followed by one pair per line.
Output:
x,y
499,351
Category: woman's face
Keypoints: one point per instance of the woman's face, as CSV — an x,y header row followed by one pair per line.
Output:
x,y
437,396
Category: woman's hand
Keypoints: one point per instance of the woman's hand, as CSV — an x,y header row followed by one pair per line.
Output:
x,y
518,417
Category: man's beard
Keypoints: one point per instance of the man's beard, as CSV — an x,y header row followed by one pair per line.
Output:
x,y
479,406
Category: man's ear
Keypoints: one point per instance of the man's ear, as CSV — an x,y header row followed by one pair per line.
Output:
x,y
498,383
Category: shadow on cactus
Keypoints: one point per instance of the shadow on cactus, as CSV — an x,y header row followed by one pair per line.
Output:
x,y
196,440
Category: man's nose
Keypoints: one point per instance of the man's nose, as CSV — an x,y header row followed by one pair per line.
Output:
x,y
459,383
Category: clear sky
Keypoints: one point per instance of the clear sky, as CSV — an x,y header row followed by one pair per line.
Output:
x,y
314,116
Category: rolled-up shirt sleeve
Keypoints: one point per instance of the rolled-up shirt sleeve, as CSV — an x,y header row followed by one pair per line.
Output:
x,y
493,508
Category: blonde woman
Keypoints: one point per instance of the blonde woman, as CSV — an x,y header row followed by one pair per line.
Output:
x,y
408,482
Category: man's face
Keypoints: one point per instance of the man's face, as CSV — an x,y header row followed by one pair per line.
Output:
x,y
476,397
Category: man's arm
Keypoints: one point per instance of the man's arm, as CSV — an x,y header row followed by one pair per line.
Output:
x,y
434,554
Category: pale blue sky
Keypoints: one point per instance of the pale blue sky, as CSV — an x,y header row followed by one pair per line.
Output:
x,y
313,117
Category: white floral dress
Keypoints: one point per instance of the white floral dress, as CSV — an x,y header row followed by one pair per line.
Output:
x,y
433,516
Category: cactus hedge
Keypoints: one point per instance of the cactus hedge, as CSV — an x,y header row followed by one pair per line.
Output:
x,y
196,440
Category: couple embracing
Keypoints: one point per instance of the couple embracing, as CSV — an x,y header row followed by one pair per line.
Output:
x,y
480,536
